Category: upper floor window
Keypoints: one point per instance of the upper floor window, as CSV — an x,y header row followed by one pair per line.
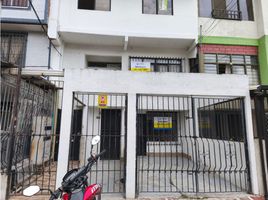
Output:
x,y
15,3
226,9
104,5
233,64
104,62
158,7
13,48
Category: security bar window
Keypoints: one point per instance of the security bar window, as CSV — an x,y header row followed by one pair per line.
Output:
x,y
15,3
103,5
227,9
158,64
233,64
158,7
13,48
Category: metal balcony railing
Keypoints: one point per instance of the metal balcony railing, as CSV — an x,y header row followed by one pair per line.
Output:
x,y
226,14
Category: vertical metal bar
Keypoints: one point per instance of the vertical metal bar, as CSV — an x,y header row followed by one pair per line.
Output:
x,y
10,150
196,145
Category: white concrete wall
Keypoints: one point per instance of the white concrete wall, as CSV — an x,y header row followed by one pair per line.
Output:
x,y
3,186
25,13
90,80
37,50
126,18
228,28
262,17
75,55
236,28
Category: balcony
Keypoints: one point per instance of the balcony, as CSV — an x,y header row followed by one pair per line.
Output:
x,y
226,14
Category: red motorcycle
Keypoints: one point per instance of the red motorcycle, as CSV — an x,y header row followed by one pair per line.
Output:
x,y
74,184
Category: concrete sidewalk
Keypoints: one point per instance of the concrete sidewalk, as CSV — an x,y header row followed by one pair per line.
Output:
x,y
161,197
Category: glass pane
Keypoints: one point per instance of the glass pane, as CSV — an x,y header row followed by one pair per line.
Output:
x,y
210,58
236,59
165,7
238,69
247,9
102,5
149,6
231,5
251,60
219,4
223,58
210,68
6,2
205,8
253,76
20,3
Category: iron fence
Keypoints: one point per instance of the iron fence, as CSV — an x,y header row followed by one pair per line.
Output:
x,y
35,132
191,144
104,115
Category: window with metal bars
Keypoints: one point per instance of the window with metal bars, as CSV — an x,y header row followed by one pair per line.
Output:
x,y
13,48
227,9
233,64
222,121
15,3
157,7
160,64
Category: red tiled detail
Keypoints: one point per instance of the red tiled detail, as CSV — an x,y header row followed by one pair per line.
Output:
x,y
257,198
224,49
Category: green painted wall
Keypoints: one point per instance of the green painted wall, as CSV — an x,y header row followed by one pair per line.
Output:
x,y
228,40
263,59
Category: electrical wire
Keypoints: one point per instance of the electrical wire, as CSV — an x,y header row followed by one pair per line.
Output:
x,y
209,29
43,27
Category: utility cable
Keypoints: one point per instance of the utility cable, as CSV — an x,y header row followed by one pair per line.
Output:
x,y
43,27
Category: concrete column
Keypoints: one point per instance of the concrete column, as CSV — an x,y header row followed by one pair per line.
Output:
x,y
251,149
3,186
131,147
65,130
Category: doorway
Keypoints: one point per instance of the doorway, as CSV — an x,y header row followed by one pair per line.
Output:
x,y
111,133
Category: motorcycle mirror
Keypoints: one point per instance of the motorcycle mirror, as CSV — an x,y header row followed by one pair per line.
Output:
x,y
31,190
95,140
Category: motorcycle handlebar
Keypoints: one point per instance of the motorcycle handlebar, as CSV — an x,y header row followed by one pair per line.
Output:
x,y
55,195
83,170
99,155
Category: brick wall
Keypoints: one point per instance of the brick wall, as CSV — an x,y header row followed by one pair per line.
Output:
x,y
229,49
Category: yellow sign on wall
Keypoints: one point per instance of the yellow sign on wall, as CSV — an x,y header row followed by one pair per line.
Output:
x,y
162,122
102,101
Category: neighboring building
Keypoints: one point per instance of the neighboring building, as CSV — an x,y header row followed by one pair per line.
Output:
x,y
24,44
234,40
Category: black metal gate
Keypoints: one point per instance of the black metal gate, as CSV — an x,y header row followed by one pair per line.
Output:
x,y
260,114
32,159
104,115
191,144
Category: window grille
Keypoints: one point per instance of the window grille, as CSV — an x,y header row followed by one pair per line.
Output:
x,y
13,48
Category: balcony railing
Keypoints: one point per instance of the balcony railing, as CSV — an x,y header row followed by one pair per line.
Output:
x,y
226,14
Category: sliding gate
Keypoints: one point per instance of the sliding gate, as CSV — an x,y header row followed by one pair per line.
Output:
x,y
191,144
104,115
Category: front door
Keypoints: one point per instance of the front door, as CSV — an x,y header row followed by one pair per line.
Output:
x,y
111,133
